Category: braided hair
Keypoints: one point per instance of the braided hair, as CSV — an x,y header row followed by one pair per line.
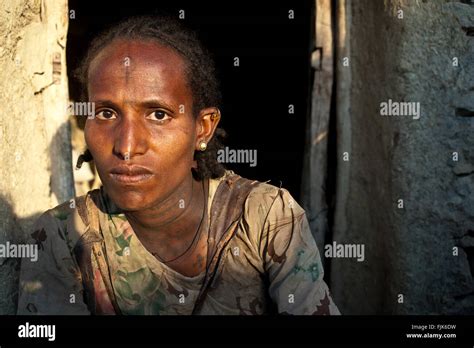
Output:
x,y
199,70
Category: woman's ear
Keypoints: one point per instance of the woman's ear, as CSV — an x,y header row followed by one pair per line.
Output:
x,y
85,157
206,124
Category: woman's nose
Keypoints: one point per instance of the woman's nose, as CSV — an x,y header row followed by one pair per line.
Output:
x,y
130,138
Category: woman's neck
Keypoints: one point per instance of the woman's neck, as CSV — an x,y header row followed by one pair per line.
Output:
x,y
173,217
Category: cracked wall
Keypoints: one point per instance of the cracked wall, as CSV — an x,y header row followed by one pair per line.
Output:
x,y
35,168
423,251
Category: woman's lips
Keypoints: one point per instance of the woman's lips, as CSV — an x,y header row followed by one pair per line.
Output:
x,y
130,174
130,179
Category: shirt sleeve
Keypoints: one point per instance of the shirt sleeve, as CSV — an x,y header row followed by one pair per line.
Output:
x,y
292,260
50,284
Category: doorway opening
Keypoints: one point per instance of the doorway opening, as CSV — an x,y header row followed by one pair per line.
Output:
x,y
265,98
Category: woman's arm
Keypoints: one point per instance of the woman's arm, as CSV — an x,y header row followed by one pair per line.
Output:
x,y
291,258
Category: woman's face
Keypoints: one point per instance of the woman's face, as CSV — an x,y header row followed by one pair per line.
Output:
x,y
144,135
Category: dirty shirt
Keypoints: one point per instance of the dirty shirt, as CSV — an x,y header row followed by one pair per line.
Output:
x,y
270,265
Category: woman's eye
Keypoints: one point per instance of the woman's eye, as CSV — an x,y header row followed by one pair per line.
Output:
x,y
159,115
105,115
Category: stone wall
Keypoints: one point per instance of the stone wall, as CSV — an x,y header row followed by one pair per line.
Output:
x,y
421,248
35,168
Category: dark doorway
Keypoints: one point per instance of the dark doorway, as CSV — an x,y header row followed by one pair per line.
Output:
x,y
274,72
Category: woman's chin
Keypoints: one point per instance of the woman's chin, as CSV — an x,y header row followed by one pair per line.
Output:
x,y
129,201
127,207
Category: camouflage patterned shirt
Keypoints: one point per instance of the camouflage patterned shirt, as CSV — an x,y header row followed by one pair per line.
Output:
x,y
271,263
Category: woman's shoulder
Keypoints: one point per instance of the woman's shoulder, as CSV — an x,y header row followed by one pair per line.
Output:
x,y
272,205
65,210
68,218
264,201
266,210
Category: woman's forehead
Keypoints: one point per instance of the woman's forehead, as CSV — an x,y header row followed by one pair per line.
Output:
x,y
137,66
127,53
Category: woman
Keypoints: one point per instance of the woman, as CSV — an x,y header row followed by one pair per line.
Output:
x,y
170,231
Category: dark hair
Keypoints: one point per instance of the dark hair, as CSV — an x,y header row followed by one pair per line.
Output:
x,y
200,73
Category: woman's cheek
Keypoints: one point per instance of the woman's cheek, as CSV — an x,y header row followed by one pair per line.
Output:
x,y
89,133
88,136
94,140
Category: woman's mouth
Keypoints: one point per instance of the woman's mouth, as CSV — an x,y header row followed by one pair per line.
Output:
x,y
130,174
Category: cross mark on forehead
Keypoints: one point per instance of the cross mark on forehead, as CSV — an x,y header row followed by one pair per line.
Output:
x,y
126,62
126,65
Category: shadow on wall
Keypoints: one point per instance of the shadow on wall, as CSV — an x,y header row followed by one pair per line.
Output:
x,y
16,230
62,182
